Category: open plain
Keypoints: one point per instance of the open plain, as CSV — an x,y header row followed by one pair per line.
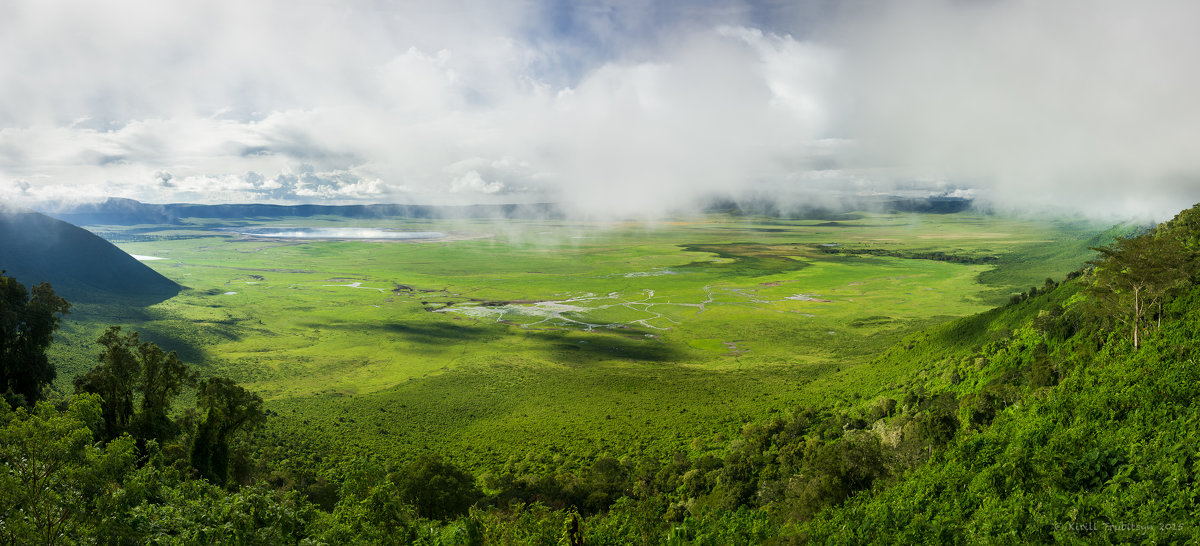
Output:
x,y
499,340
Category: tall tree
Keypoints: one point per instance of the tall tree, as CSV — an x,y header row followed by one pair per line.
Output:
x,y
163,377
1134,275
27,325
228,409
138,381
1176,264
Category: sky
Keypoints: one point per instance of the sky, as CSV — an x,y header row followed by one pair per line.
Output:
x,y
606,107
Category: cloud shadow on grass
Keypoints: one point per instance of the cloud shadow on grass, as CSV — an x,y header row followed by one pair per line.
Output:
x,y
605,346
625,344
430,333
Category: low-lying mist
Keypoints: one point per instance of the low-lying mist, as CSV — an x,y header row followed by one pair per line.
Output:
x,y
339,233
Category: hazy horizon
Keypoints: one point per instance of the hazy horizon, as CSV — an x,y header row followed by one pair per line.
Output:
x,y
620,108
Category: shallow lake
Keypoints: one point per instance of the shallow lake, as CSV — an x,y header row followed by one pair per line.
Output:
x,y
339,233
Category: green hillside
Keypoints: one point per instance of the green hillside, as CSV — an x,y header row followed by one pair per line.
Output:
x,y
1065,432
36,248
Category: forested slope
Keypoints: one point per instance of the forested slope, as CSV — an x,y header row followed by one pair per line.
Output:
x,y
1065,432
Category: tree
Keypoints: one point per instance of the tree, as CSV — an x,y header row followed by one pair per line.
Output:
x,y
1176,264
51,474
138,382
228,409
27,325
113,380
163,377
835,471
437,489
941,423
1135,275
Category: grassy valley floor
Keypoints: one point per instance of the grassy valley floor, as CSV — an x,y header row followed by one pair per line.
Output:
x,y
561,339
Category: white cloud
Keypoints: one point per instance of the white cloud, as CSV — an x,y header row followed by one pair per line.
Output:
x,y
1089,104
472,182
606,107
425,113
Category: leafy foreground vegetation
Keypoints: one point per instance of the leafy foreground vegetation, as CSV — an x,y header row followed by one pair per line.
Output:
x,y
1069,414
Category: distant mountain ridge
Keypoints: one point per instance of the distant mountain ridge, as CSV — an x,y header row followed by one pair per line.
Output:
x,y
839,208
114,211
81,266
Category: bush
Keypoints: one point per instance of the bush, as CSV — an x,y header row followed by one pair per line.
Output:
x,y
1043,374
983,407
883,408
941,423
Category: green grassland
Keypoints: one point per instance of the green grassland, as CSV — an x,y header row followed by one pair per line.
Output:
x,y
565,338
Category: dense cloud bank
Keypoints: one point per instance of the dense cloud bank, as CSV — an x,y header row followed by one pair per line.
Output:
x,y
606,107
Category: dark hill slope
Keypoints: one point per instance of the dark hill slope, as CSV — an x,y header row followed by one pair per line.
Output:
x,y
81,266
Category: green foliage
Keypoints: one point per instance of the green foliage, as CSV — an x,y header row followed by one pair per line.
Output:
x,y
940,423
983,406
133,373
521,523
1094,452
743,526
1135,275
437,489
195,512
55,485
837,470
1095,459
370,510
228,408
28,320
